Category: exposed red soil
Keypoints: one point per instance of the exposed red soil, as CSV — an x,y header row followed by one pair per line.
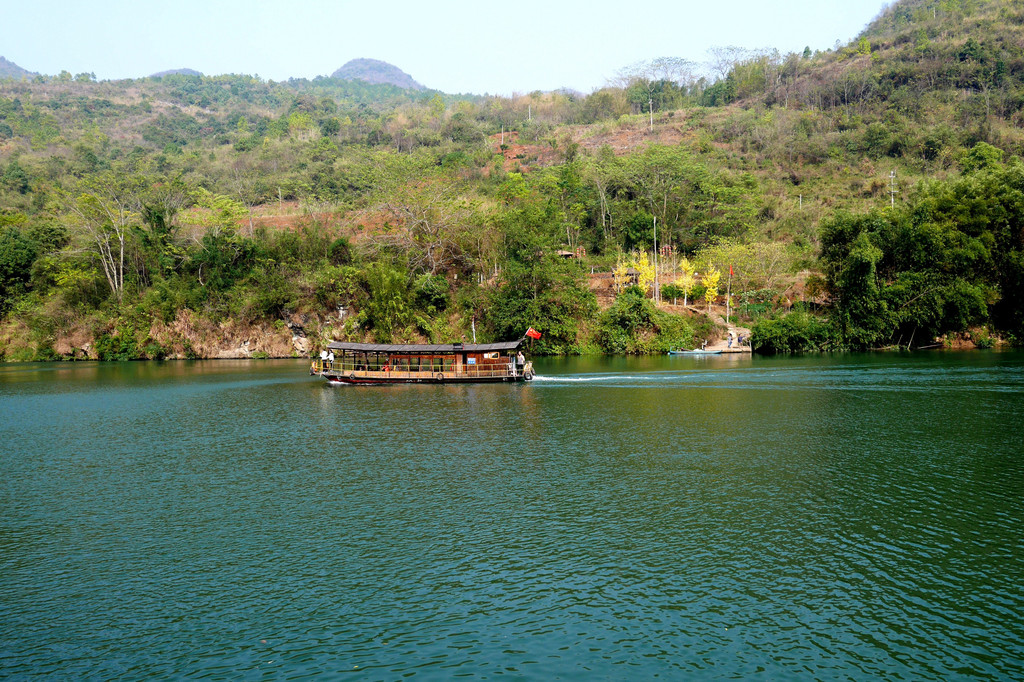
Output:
x,y
621,140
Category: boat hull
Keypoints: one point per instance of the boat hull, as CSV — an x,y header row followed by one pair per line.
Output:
x,y
376,381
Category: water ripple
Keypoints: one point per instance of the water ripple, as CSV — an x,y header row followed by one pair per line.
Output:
x,y
850,519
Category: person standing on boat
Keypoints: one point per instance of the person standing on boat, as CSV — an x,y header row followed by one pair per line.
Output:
x,y
330,359
520,362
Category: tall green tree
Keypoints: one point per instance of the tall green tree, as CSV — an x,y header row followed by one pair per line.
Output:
x,y
537,288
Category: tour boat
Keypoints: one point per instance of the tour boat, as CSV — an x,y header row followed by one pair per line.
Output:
x,y
370,363
695,351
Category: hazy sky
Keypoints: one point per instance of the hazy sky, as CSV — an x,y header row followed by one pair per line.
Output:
x,y
454,46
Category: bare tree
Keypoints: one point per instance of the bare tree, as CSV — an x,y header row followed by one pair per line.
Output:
x,y
104,210
436,224
722,60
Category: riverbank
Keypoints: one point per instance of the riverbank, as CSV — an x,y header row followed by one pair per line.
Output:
x,y
192,336
187,337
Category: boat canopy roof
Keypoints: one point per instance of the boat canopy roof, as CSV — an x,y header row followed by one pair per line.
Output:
x,y
425,348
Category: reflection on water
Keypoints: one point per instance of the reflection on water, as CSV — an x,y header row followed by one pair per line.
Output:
x,y
824,517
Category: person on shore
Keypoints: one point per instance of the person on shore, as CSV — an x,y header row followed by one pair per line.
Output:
x,y
732,335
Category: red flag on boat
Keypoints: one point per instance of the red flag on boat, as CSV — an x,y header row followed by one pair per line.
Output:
x,y
533,333
730,269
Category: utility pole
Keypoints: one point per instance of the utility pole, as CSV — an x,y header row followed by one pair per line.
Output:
x,y
657,297
728,296
892,189
529,111
650,107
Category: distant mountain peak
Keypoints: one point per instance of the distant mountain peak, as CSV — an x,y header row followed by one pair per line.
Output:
x,y
9,69
376,71
176,72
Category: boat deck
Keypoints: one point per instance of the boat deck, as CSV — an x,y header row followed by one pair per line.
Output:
x,y
350,373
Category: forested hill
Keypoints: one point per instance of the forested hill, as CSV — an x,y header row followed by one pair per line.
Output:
x,y
248,212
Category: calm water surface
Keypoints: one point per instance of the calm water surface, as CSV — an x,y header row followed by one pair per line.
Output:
x,y
846,517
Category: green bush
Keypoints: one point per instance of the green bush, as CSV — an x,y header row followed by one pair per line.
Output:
x,y
633,325
339,252
155,351
794,332
117,347
430,293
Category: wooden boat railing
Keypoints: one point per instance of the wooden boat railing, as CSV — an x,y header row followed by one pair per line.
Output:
x,y
345,367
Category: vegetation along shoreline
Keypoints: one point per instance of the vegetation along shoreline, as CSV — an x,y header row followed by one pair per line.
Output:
x,y
869,196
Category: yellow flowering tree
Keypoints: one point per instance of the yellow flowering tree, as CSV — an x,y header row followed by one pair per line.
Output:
x,y
621,274
711,279
687,279
641,265
644,270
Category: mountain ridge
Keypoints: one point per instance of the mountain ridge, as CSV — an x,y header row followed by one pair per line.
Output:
x,y
176,72
377,72
9,69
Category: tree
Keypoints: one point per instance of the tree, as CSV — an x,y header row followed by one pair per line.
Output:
x,y
710,281
435,225
160,204
658,175
687,279
17,253
537,288
644,79
217,213
602,171
724,58
15,178
104,213
982,156
758,264
436,106
248,187
387,307
644,268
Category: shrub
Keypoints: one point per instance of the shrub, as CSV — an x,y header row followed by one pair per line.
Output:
x,y
634,325
795,332
430,293
155,351
117,347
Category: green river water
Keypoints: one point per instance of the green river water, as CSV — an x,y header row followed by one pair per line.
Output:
x,y
826,517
